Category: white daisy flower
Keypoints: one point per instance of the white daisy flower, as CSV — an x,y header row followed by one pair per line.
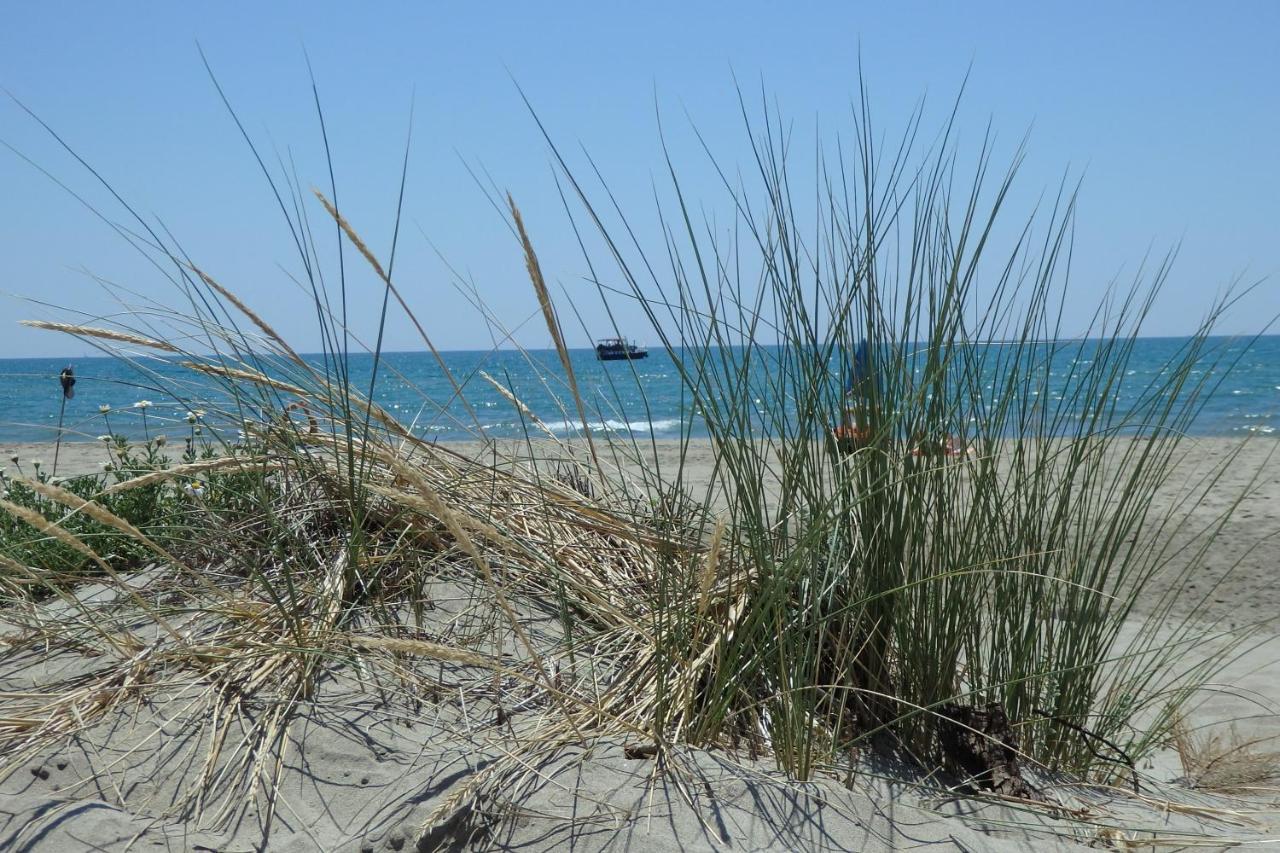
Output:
x,y
104,408
142,404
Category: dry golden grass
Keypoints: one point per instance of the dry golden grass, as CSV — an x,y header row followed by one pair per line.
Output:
x,y
1222,760
368,255
553,323
102,334
510,537
189,469
250,313
520,407
53,530
252,376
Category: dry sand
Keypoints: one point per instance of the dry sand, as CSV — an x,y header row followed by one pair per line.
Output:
x,y
1239,576
360,778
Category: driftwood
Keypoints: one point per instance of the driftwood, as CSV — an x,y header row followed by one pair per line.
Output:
x,y
980,744
636,751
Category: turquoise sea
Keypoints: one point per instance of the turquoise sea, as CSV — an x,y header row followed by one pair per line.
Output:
x,y
640,398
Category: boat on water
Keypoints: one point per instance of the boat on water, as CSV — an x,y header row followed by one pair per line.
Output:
x,y
619,349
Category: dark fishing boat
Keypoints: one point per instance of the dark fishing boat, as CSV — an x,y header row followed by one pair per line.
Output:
x,y
619,349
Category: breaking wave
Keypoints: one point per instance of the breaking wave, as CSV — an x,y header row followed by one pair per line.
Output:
x,y
609,425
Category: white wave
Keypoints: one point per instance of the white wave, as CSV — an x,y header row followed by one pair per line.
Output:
x,y
611,425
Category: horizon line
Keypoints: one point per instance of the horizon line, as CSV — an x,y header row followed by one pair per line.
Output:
x,y
589,348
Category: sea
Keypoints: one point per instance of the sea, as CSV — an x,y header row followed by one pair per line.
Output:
x,y
639,398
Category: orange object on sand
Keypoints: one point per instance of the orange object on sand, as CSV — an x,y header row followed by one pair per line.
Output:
x,y
949,446
850,438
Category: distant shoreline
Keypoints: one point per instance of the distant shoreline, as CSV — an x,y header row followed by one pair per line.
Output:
x,y
81,456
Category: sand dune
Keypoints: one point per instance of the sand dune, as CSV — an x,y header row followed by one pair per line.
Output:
x,y
372,763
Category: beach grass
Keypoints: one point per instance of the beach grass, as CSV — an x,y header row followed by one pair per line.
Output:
x,y
992,530
980,549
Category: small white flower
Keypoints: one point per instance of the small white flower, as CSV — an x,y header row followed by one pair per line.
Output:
x,y
104,408
191,417
194,489
199,430
105,438
36,463
161,441
142,404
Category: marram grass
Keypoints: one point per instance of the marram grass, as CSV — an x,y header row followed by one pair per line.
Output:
x,y
983,543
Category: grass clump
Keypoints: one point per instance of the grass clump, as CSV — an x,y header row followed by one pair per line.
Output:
x,y
992,529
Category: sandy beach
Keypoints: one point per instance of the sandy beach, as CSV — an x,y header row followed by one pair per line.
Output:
x,y
418,771
1240,573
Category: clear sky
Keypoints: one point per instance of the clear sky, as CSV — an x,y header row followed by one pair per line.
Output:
x,y
1171,111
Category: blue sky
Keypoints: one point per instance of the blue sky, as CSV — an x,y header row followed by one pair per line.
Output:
x,y
1170,111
